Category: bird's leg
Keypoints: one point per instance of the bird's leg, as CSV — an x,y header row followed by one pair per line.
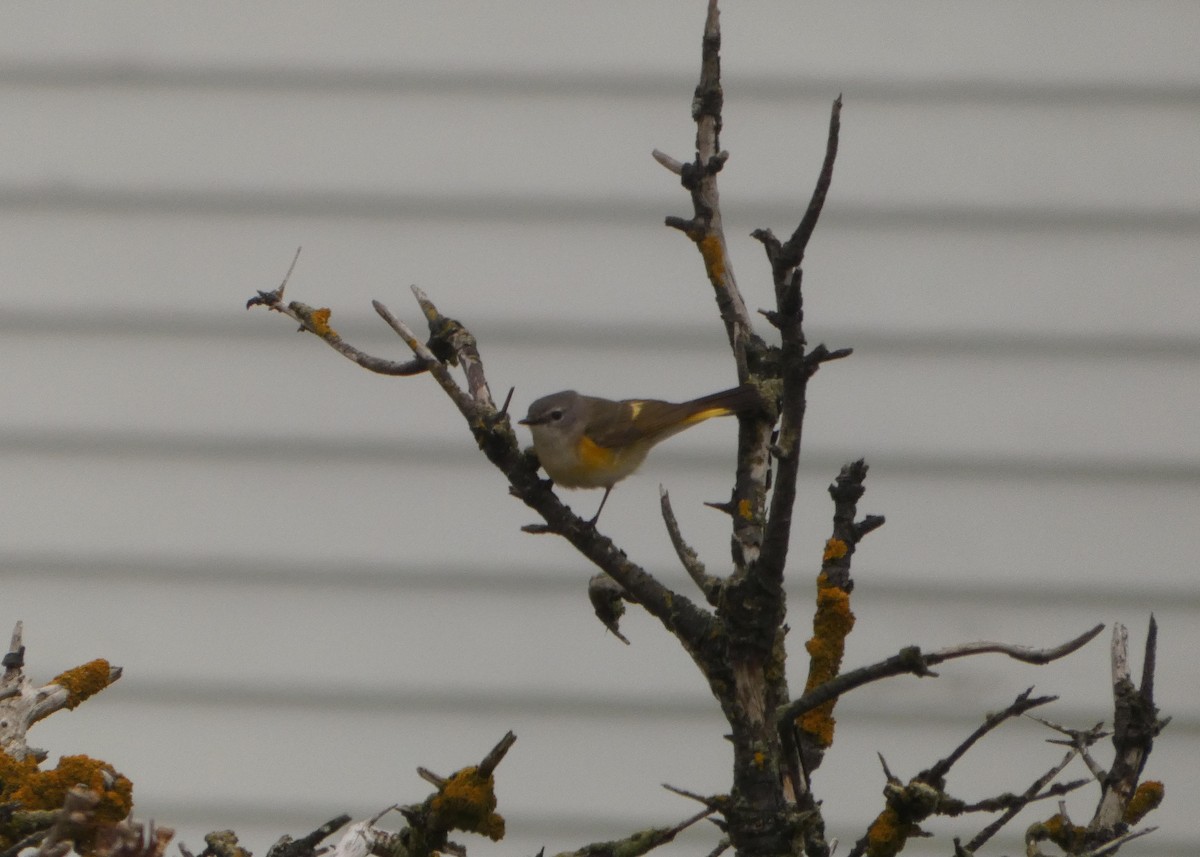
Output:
x,y
603,500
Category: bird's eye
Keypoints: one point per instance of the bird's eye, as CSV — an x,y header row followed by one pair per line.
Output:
x,y
556,414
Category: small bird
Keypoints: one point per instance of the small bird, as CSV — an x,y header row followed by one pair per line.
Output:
x,y
590,442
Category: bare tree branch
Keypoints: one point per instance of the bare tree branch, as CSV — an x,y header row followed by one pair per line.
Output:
x,y
316,322
636,844
706,229
707,583
1013,804
496,755
699,178
306,846
717,803
22,703
1111,846
911,660
1032,793
452,343
791,254
1080,740
467,405
1023,703
788,317
1135,726
1026,654
909,805
832,621
464,801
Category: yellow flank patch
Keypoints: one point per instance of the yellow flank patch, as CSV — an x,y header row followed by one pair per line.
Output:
x,y
593,455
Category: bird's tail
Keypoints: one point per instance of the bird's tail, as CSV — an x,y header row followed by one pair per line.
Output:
x,y
660,420
736,400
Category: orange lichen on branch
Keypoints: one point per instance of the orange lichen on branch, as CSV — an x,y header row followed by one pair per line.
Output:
x,y
13,773
832,623
1145,799
467,802
316,320
835,549
713,253
888,834
48,789
23,783
84,681
1069,837
320,322
745,509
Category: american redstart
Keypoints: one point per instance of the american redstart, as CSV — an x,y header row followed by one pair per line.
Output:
x,y
589,442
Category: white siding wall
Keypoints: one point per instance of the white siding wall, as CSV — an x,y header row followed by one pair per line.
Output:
x,y
313,580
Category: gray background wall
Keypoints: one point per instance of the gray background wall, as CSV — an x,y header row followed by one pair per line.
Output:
x,y
313,580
